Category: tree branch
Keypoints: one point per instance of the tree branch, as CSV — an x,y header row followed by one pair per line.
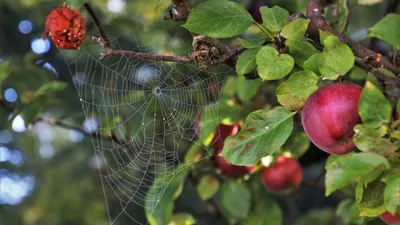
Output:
x,y
54,122
105,41
315,11
393,81
147,56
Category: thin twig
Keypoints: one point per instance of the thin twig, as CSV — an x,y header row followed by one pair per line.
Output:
x,y
105,41
54,122
394,81
147,56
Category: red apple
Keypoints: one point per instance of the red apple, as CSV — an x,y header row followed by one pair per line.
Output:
x,y
225,167
230,170
282,176
329,116
222,132
389,218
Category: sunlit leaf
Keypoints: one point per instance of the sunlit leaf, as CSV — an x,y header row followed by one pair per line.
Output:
x,y
336,59
369,198
294,92
252,42
374,108
247,61
301,51
385,30
263,133
350,168
296,29
271,65
275,18
207,187
218,19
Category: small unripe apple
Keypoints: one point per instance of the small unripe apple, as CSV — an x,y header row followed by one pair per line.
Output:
x,y
282,176
329,116
225,167
390,219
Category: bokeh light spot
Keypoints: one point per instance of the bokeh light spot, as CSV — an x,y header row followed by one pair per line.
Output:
x,y
40,46
18,124
116,6
25,26
10,95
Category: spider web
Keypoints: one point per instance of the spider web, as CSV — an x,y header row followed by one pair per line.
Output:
x,y
147,110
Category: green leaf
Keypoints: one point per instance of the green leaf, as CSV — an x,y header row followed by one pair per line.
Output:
x,y
194,154
294,92
398,107
385,30
297,144
349,213
266,211
247,89
212,115
235,199
182,219
271,65
51,87
374,108
253,42
336,58
275,18
207,187
207,124
296,29
317,216
392,193
370,140
4,73
350,168
263,133
169,185
301,51
229,87
369,198
246,61
337,15
30,113
218,19
312,63
161,6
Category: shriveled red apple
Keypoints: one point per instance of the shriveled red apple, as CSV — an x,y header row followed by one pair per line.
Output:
x,y
329,116
282,176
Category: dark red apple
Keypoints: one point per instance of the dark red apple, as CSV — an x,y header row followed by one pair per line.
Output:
x,y
230,170
225,167
222,132
390,219
329,116
282,176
